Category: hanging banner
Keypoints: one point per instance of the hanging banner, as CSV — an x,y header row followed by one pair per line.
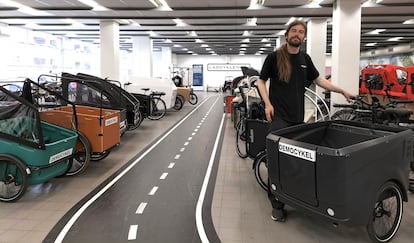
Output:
x,y
197,74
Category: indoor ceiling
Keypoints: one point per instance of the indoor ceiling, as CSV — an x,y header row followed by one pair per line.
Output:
x,y
217,27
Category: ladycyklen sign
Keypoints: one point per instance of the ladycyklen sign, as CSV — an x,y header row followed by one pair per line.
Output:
x,y
226,66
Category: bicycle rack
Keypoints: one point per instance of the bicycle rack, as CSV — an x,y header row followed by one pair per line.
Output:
x,y
322,113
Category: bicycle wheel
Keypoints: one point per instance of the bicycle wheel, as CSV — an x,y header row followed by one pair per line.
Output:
x,y
13,178
241,139
179,102
138,118
260,169
100,156
82,156
158,109
193,98
352,115
386,214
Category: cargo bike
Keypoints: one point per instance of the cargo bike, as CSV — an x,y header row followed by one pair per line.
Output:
x,y
98,128
31,151
344,172
94,93
132,105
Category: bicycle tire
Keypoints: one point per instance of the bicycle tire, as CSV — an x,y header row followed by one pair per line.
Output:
x,y
81,158
386,214
193,98
13,181
260,170
100,156
158,109
179,102
351,115
138,119
241,139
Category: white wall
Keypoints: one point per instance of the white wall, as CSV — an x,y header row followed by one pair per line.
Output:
x,y
217,78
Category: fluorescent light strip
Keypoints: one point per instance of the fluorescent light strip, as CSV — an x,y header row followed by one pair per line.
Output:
x,y
161,4
95,6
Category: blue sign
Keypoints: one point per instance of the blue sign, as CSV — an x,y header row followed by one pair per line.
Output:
x,y
197,74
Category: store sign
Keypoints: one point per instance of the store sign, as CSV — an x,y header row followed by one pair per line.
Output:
x,y
226,66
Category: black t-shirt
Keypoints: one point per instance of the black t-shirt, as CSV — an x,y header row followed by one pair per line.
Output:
x,y
288,98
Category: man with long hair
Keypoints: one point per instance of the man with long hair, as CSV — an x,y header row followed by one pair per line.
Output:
x,y
289,70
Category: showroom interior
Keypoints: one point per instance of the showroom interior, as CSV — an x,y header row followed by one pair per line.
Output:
x,y
188,155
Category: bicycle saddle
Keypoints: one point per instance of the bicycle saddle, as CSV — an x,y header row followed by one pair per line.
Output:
x,y
145,89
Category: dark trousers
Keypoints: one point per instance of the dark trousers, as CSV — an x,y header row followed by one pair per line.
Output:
x,y
276,124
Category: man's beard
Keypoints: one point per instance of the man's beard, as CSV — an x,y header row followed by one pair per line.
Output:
x,y
293,43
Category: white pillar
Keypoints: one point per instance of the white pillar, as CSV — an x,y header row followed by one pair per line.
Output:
x,y
280,40
316,43
346,34
166,66
316,46
142,56
110,57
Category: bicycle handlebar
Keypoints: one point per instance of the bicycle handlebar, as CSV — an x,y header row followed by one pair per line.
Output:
x,y
352,106
395,101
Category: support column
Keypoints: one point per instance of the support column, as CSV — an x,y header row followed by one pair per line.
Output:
x,y
316,43
316,46
280,40
346,35
166,63
5,50
142,56
110,57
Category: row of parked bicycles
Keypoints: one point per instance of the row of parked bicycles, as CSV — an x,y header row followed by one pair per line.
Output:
x,y
365,116
58,124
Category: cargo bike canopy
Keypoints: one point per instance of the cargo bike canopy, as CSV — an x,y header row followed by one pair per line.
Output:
x,y
19,120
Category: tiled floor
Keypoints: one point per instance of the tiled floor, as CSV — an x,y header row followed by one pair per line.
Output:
x,y
240,209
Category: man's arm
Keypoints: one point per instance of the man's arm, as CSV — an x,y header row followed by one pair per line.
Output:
x,y
322,82
269,110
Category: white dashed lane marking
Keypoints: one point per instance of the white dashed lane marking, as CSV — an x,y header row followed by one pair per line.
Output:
x,y
182,150
171,165
163,176
153,191
132,233
186,143
177,156
141,208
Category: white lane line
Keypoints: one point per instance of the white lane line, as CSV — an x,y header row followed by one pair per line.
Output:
x,y
192,134
177,156
171,165
182,150
186,143
200,123
189,138
163,176
82,209
153,191
196,130
198,126
132,233
141,208
199,208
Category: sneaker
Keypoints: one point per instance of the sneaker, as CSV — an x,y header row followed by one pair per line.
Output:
x,y
278,215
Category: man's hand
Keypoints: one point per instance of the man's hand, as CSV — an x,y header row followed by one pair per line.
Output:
x,y
348,96
269,110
